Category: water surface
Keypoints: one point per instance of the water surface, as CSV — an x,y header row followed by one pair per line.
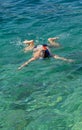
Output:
x,y
45,95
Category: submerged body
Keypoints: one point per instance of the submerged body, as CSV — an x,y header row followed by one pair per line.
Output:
x,y
42,51
30,45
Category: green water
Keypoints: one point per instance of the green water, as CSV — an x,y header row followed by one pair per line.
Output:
x,y
45,95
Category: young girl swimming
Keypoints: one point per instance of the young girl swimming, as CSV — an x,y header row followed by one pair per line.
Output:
x,y
42,51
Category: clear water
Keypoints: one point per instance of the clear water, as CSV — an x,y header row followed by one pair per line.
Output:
x,y
47,94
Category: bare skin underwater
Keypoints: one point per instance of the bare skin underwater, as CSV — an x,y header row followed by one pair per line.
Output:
x,y
41,51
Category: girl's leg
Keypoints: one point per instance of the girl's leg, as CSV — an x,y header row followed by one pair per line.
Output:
x,y
53,42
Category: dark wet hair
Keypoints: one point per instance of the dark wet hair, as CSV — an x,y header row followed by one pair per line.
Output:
x,y
45,53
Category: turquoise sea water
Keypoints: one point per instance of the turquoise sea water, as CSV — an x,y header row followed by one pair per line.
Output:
x,y
47,94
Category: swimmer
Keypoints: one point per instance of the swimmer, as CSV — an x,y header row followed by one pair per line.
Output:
x,y
43,52
30,43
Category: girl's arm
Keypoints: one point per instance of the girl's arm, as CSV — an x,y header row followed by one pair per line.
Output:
x,y
26,63
62,58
